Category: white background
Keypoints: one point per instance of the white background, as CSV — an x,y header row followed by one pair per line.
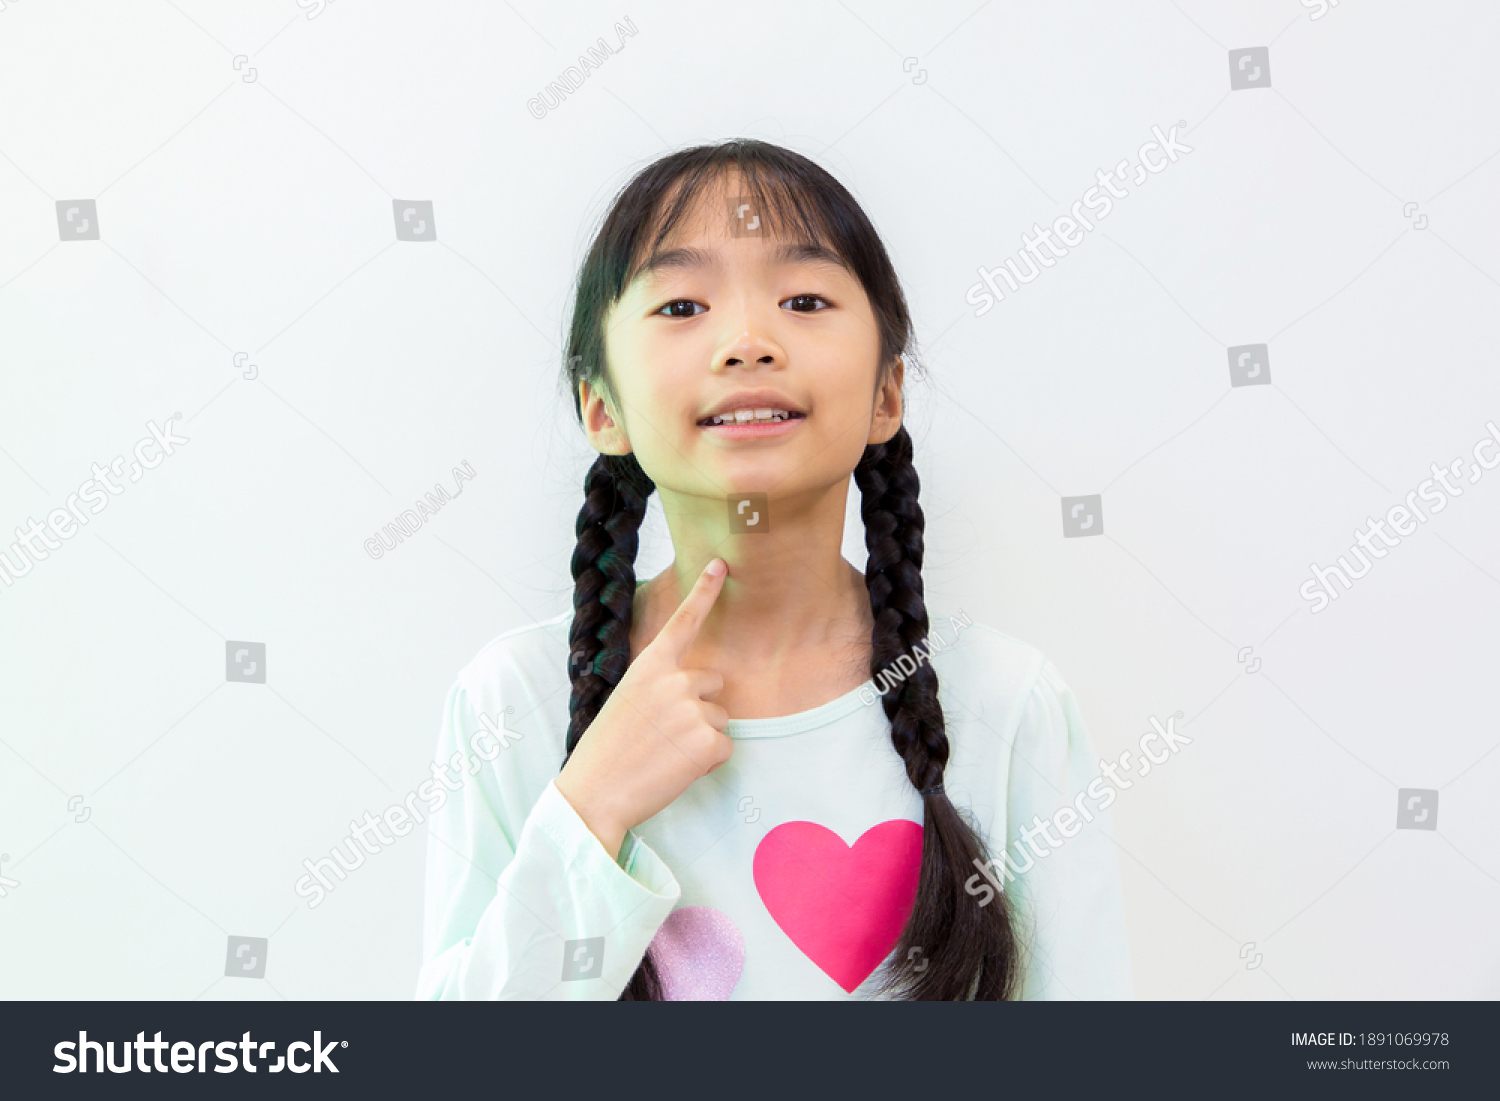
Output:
x,y
256,216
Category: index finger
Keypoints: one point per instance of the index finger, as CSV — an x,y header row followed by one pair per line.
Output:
x,y
683,625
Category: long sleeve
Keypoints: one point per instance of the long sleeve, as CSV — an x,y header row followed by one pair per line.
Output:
x,y
1072,915
522,901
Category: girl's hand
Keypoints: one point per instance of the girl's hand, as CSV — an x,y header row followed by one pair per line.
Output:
x,y
657,732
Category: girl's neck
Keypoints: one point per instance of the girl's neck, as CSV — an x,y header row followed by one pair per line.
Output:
x,y
790,592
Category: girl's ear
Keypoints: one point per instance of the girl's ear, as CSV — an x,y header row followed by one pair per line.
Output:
x,y
888,408
599,422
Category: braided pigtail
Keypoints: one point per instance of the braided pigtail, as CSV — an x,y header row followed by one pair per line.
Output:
x,y
957,940
614,503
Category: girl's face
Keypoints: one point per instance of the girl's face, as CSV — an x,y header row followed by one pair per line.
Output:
x,y
714,316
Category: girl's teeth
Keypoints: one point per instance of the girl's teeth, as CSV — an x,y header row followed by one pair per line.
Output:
x,y
751,416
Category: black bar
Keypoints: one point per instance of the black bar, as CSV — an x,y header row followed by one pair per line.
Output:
x,y
770,1051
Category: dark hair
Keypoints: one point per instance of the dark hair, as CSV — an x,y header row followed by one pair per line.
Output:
x,y
964,947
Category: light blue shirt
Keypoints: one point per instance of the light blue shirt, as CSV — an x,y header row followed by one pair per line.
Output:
x,y
784,874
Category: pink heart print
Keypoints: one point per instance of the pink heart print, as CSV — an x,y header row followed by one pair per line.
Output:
x,y
843,906
699,954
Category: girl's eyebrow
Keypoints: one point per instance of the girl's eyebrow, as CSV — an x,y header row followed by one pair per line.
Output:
x,y
687,257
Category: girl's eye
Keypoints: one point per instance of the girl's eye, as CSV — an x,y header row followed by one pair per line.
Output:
x,y
800,303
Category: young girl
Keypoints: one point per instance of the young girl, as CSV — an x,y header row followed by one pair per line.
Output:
x,y
683,789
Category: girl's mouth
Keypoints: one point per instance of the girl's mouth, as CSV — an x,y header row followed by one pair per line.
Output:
x,y
763,423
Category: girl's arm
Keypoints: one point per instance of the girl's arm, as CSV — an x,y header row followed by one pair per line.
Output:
x,y
522,900
1071,918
